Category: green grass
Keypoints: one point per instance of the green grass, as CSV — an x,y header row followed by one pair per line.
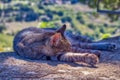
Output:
x,y
6,42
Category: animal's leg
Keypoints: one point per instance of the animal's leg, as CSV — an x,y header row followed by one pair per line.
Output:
x,y
96,46
90,59
80,50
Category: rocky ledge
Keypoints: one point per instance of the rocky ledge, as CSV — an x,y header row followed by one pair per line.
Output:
x,y
13,67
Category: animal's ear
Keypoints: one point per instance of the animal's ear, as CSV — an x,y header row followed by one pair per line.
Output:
x,y
62,29
55,39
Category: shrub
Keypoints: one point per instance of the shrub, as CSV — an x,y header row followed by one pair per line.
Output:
x,y
44,19
46,24
50,15
18,17
9,19
25,8
104,36
60,13
2,27
66,19
82,21
102,30
31,16
6,1
79,17
91,26
105,24
40,6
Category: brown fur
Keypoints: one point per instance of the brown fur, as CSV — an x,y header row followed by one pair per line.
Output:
x,y
90,59
34,43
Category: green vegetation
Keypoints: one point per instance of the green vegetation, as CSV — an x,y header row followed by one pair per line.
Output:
x,y
79,18
5,42
2,28
104,36
111,5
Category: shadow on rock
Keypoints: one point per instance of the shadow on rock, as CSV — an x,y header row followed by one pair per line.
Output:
x,y
6,55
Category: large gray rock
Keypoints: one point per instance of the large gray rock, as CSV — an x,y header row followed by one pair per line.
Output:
x,y
13,67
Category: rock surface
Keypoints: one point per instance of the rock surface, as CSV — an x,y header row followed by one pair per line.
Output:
x,y
13,67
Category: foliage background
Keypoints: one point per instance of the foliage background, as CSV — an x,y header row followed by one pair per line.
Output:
x,y
80,16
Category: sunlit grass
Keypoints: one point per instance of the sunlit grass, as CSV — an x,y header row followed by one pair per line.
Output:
x,y
5,42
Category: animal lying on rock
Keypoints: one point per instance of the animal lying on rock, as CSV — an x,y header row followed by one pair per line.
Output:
x,y
34,43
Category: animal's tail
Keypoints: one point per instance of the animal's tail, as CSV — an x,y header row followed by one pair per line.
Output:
x,y
90,59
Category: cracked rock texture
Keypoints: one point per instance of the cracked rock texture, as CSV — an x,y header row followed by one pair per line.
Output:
x,y
13,67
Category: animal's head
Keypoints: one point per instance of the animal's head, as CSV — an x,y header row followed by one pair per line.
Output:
x,y
58,40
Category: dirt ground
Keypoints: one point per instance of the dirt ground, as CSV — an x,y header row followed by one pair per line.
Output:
x,y
13,67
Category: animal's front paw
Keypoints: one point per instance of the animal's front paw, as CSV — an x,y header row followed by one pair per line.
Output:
x,y
91,59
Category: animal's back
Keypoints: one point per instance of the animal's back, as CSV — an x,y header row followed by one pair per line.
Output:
x,y
34,42
25,32
18,44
